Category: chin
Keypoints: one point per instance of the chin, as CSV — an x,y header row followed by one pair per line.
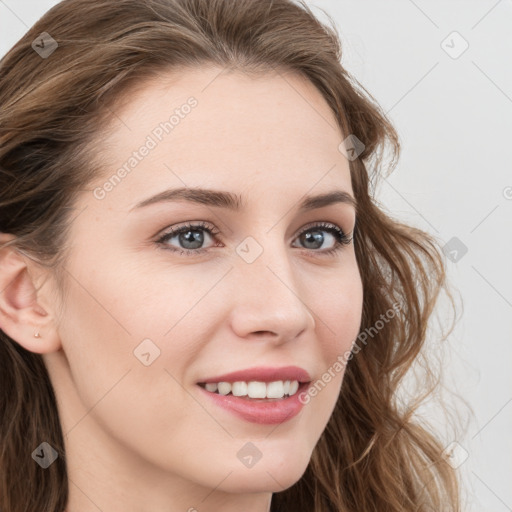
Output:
x,y
261,481
275,474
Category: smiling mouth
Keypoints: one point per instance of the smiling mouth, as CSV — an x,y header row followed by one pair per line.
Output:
x,y
256,390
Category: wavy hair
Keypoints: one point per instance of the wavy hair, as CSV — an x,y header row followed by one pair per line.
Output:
x,y
373,456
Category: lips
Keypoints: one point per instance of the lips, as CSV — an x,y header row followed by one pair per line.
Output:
x,y
259,411
262,374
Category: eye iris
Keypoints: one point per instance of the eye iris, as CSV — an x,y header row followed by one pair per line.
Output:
x,y
315,237
194,236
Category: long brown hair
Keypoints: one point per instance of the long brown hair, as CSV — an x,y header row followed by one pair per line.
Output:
x,y
373,455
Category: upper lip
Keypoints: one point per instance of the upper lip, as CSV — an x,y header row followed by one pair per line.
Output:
x,y
262,374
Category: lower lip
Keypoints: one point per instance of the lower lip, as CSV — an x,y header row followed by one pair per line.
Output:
x,y
263,411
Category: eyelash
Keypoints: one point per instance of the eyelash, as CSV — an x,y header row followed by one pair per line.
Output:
x,y
342,239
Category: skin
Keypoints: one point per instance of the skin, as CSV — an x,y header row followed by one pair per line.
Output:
x,y
142,437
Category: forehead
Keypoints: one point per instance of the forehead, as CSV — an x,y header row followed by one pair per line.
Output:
x,y
273,127
216,87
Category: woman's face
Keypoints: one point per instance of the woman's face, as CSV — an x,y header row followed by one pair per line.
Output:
x,y
143,323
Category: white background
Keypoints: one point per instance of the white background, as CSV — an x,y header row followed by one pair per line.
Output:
x,y
454,118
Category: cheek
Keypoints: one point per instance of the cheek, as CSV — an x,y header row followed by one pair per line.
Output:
x,y
128,345
337,326
339,318
104,321
127,318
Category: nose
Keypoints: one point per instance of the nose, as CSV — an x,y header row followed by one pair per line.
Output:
x,y
267,301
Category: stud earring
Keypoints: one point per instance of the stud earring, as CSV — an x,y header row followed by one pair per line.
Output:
x,y
37,335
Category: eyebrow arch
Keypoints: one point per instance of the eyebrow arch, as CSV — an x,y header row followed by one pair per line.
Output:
x,y
234,202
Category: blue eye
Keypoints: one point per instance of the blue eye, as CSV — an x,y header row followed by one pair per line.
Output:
x,y
191,235
313,235
191,238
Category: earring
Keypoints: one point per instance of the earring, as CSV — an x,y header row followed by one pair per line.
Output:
x,y
37,335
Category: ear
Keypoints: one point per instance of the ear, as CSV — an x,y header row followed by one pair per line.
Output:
x,y
24,309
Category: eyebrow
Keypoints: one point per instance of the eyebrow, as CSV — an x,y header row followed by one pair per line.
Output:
x,y
231,201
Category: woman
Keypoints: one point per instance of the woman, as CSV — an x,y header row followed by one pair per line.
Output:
x,y
202,306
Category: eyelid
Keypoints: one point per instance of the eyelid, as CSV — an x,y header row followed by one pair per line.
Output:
x,y
323,224
192,224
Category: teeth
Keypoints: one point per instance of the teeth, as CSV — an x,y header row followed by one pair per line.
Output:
x,y
275,389
239,388
255,389
294,386
224,388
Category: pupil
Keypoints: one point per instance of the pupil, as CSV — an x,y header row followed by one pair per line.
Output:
x,y
315,237
195,237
